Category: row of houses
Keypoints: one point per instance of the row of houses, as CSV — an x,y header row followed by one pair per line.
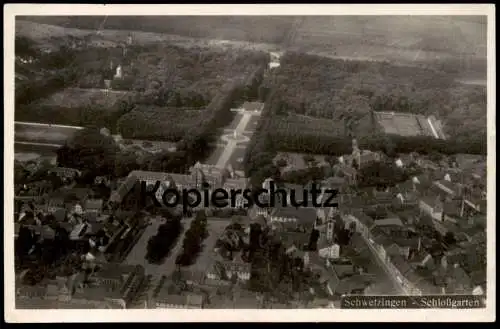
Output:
x,y
110,286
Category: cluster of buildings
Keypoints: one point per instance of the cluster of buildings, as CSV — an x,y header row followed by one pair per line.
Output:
x,y
79,216
199,174
108,286
426,232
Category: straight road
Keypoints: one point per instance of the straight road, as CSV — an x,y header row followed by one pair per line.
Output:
x,y
385,269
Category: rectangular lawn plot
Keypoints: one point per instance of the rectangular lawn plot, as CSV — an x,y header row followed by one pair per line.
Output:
x,y
236,159
214,157
252,124
40,150
236,119
43,134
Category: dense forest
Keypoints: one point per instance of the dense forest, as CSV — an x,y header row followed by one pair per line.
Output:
x,y
344,91
165,93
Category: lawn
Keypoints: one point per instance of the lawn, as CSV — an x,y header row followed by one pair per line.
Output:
x,y
252,124
26,152
214,157
42,134
368,37
235,122
236,159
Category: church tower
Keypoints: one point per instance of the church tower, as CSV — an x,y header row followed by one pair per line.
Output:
x,y
329,230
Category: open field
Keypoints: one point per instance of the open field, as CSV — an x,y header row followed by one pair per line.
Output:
x,y
26,152
431,36
405,39
78,97
42,134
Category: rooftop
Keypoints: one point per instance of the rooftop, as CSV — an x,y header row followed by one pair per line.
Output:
x,y
304,216
252,106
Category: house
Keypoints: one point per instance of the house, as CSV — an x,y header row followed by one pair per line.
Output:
x,y
297,193
236,184
381,242
363,222
252,106
291,239
227,270
188,300
406,199
94,206
293,218
432,206
334,182
446,188
55,204
116,284
382,197
330,252
397,250
387,224
422,259
349,174
118,195
337,286
89,291
45,232
363,157
79,231
403,271
65,173
453,210
189,277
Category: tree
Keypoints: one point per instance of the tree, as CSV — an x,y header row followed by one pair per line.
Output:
x,y
449,239
308,159
331,160
89,150
159,245
281,163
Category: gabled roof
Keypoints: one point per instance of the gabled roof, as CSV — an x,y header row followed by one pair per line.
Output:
x,y
355,282
93,204
430,200
391,221
401,264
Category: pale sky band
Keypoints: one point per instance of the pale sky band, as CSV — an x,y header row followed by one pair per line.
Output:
x,y
222,198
